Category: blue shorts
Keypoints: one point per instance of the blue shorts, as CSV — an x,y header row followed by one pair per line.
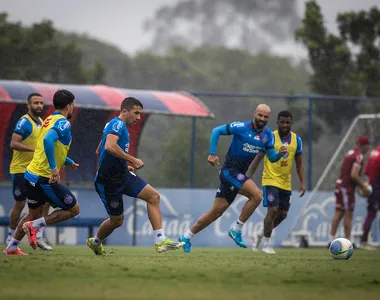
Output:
x,y
231,181
18,187
56,194
274,196
112,195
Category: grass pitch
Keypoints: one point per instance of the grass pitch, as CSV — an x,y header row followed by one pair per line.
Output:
x,y
73,272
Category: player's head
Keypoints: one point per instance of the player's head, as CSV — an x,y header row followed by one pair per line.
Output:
x,y
284,122
130,110
261,115
35,104
363,143
63,100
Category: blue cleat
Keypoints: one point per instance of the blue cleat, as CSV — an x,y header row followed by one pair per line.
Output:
x,y
187,245
236,236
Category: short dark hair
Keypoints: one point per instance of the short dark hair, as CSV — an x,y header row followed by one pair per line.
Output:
x,y
284,114
62,98
129,102
33,95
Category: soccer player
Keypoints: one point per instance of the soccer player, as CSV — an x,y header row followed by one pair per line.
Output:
x,y
42,175
115,179
372,170
277,179
248,139
23,143
345,187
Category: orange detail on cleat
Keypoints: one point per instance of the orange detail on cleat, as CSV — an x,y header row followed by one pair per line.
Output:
x,y
16,252
31,233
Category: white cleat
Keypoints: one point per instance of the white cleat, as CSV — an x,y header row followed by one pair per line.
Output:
x,y
269,250
256,240
41,243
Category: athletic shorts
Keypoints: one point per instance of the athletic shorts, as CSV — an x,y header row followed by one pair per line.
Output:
x,y
112,195
344,198
56,194
276,197
231,181
18,187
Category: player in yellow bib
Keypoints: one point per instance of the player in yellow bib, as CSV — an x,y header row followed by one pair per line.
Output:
x,y
277,179
23,143
42,175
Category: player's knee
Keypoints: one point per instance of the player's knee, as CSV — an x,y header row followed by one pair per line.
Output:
x,y
154,199
75,210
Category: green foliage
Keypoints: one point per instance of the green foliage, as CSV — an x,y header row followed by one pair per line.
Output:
x,y
35,54
348,64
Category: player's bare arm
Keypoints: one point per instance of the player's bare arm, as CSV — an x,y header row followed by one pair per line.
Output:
x,y
355,175
17,145
254,164
114,149
300,173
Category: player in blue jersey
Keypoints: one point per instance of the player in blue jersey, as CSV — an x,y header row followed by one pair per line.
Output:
x,y
115,179
248,139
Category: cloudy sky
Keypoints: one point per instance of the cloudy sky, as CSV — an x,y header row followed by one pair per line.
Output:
x,y
119,22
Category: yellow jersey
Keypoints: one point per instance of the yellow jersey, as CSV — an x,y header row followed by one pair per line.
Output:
x,y
40,166
279,173
29,129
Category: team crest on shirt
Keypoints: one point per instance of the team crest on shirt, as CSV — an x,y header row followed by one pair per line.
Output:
x,y
270,197
64,124
116,127
114,204
257,137
240,176
68,199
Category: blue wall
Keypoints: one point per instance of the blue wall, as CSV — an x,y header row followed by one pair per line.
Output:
x,y
182,207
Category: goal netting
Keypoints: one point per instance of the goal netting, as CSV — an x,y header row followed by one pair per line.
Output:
x,y
314,220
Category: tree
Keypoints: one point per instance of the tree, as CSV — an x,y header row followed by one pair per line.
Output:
x,y
35,54
245,24
348,64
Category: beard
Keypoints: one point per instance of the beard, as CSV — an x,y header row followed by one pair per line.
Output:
x,y
36,112
69,116
260,124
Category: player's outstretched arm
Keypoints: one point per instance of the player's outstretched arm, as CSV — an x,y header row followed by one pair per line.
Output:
x,y
70,164
254,164
355,175
114,149
300,173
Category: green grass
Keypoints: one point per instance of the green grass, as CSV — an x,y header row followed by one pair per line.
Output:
x,y
73,272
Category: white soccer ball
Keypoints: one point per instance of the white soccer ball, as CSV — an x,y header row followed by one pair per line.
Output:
x,y
363,194
341,248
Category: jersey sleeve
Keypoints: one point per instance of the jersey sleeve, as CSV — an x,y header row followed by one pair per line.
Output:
x,y
23,128
62,127
115,128
299,146
235,128
269,144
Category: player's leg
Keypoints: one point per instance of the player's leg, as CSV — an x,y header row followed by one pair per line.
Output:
x,y
152,199
372,208
18,190
35,212
59,196
112,199
218,208
284,207
41,241
340,193
349,206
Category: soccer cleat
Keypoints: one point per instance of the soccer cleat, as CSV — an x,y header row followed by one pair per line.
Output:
x,y
98,249
16,252
167,245
366,246
186,245
43,245
256,240
269,250
236,236
31,233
